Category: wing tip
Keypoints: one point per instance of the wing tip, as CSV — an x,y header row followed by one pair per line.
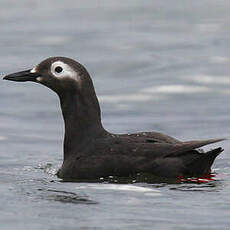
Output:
x,y
218,140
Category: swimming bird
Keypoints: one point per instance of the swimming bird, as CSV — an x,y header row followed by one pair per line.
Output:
x,y
91,152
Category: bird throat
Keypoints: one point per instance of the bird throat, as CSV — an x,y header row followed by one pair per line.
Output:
x,y
82,119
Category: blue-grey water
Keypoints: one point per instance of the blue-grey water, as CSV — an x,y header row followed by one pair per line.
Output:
x,y
156,65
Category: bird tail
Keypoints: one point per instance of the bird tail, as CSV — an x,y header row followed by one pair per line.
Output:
x,y
202,164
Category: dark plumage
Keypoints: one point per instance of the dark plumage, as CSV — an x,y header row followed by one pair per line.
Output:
x,y
91,152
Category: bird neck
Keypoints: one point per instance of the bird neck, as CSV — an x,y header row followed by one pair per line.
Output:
x,y
82,118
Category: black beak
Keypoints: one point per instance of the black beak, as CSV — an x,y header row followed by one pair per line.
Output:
x,y
22,76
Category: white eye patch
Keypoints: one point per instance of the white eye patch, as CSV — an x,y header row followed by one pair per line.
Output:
x,y
61,70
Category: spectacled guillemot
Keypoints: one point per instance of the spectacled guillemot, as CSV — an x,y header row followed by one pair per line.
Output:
x,y
90,152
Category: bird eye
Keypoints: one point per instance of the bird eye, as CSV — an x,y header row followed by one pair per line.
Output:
x,y
58,69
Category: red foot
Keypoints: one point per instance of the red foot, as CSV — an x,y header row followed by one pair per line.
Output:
x,y
204,179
